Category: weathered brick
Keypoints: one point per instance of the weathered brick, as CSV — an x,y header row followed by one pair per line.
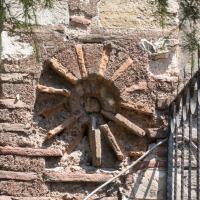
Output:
x,y
8,150
53,176
80,20
20,176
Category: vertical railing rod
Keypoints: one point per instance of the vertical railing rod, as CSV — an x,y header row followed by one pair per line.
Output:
x,y
183,124
170,158
176,149
190,151
198,137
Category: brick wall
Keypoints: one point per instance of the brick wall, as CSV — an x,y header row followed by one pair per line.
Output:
x,y
97,67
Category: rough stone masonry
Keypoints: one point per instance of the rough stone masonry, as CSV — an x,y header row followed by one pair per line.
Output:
x,y
96,101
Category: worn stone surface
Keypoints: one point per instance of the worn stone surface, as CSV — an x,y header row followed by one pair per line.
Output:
x,y
58,14
88,8
132,14
12,48
147,184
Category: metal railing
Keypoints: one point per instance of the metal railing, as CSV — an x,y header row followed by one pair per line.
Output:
x,y
183,180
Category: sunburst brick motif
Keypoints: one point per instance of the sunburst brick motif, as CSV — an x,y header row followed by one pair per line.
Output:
x,y
98,98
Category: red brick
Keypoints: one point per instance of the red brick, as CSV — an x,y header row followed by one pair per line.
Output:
x,y
22,176
80,20
7,150
53,176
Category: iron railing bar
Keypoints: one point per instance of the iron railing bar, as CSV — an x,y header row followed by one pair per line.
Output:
x,y
183,124
198,138
176,149
170,158
190,158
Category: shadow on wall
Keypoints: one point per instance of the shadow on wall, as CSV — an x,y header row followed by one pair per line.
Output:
x,y
149,184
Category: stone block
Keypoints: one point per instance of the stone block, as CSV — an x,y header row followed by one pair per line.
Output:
x,y
58,14
132,14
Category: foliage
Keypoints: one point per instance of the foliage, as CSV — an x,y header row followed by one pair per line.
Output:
x,y
189,20
28,15
190,16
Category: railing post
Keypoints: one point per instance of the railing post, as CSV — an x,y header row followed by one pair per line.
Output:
x,y
170,156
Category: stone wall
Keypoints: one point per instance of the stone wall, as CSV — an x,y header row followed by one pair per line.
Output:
x,y
97,99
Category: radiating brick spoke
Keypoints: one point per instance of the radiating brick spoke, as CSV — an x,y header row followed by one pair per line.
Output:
x,y
53,110
95,143
53,176
80,55
51,90
62,71
20,176
112,141
66,124
124,122
8,150
104,60
122,69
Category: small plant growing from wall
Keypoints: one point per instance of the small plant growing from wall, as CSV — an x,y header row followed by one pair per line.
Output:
x,y
28,17
189,18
